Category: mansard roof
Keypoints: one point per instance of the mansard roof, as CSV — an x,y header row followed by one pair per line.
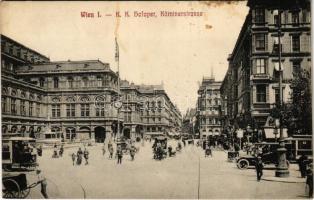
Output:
x,y
65,66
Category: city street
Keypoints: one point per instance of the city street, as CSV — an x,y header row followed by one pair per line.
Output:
x,y
175,177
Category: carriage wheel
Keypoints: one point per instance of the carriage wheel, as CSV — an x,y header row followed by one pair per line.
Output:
x,y
11,193
25,193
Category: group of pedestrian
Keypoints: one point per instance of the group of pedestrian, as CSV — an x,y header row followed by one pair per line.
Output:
x,y
57,152
78,157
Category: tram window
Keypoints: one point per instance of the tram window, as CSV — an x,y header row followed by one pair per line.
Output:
x,y
304,144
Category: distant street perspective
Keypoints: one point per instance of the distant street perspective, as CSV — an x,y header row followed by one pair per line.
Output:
x,y
157,100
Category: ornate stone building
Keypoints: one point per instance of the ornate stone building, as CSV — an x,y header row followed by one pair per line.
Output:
x,y
79,96
23,104
76,98
208,107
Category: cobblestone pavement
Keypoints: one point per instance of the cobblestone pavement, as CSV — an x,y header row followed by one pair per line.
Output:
x,y
187,175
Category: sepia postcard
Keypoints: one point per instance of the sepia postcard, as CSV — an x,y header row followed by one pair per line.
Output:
x,y
156,100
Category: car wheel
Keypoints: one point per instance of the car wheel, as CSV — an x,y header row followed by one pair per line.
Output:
x,y
243,164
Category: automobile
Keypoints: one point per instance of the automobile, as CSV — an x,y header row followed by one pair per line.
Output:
x,y
268,154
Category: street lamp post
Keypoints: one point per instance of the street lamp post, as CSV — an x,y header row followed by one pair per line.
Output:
x,y
282,168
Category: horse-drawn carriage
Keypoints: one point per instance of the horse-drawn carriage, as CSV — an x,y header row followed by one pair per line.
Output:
x,y
160,147
15,186
18,153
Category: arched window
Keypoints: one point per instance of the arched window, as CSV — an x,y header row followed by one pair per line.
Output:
x,y
55,82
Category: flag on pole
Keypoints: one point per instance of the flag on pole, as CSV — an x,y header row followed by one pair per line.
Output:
x,y
117,50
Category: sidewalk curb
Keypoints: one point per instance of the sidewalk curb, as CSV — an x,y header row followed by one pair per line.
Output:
x,y
284,180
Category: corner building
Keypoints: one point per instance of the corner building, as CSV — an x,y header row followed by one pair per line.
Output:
x,y
250,88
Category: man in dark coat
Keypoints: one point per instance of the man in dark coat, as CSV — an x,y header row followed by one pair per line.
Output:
x,y
259,168
302,165
309,180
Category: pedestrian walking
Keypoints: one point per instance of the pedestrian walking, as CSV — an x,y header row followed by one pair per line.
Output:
x,y
43,183
110,152
170,150
302,164
103,150
40,150
259,168
61,151
309,180
73,158
132,152
79,155
55,151
119,154
86,155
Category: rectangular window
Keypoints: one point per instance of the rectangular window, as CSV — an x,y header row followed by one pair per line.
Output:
x,y
295,17
276,20
260,66
22,107
295,43
37,109
277,96
99,82
261,93
100,111
84,110
41,82
18,53
70,110
260,41
259,15
296,66
3,104
55,110
276,46
55,82
304,17
13,106
277,72
30,111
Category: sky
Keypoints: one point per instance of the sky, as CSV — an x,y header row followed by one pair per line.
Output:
x,y
175,51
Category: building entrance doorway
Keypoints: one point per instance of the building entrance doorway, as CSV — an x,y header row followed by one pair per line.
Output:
x,y
100,134
127,133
